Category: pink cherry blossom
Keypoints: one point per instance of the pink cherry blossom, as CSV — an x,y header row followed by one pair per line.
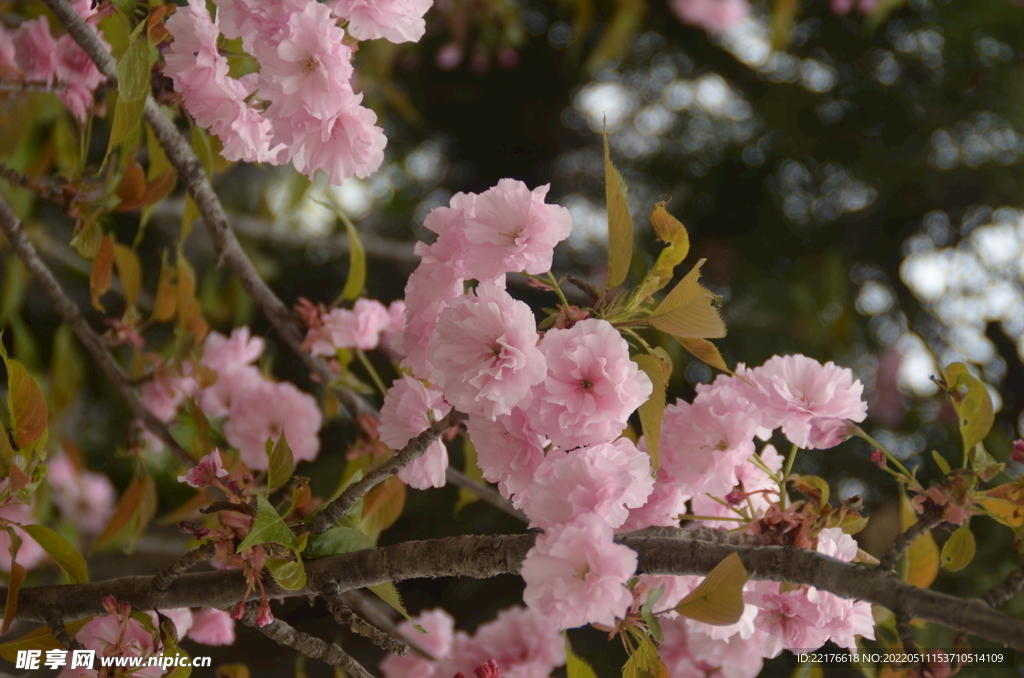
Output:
x,y
247,18
438,640
35,50
714,16
359,328
522,642
508,452
180,616
601,480
591,387
307,66
84,497
78,98
409,409
205,472
827,432
231,359
663,507
396,324
756,489
793,390
576,574
789,619
345,143
512,229
485,355
395,20
265,410
211,626
108,637
689,653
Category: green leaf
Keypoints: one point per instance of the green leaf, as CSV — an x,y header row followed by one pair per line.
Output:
x,y
808,670
289,574
336,540
25,402
653,410
576,666
647,612
127,115
12,295
356,278
268,527
67,369
388,592
643,662
688,311
126,7
620,224
704,351
88,239
941,462
920,563
959,549
39,639
133,69
718,600
983,463
129,271
669,230
282,463
63,553
974,407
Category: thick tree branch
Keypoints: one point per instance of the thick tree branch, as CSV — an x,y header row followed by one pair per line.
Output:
x,y
415,448
163,580
55,620
67,309
486,556
288,636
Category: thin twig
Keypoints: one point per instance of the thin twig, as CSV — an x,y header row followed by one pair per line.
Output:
x,y
344,615
1005,589
26,251
61,198
373,610
55,620
163,580
288,636
487,495
324,520
903,540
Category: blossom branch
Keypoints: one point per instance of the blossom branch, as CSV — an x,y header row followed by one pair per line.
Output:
x,y
486,493
288,636
414,449
163,580
344,615
903,540
1005,589
67,309
486,556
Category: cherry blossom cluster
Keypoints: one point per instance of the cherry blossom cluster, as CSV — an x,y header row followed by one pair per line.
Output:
x,y
33,55
225,383
370,324
519,643
300,106
118,634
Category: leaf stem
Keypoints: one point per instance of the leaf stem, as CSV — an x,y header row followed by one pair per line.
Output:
x,y
558,289
378,382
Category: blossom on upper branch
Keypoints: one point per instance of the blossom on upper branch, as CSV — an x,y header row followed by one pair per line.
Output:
x,y
394,20
409,409
591,386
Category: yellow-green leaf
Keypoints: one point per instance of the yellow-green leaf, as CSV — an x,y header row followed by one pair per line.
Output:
x,y
282,463
241,670
620,224
921,561
166,302
190,316
127,115
25,402
812,486
88,239
669,230
644,661
64,554
808,670
688,310
576,666
15,580
67,369
336,540
146,510
653,410
268,527
973,407
39,639
704,351
356,278
289,574
382,506
783,16
129,271
941,462
718,600
388,592
123,513
959,549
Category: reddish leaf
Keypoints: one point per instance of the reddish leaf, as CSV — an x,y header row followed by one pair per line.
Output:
x,y
99,279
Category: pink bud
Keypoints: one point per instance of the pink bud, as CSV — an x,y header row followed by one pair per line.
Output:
x,y
264,616
110,604
1018,451
827,432
879,458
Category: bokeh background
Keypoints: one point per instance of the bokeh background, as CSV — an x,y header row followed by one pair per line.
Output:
x,y
855,183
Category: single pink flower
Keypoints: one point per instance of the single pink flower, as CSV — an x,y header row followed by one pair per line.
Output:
x,y
249,18
512,229
359,328
265,410
827,432
409,409
485,355
35,51
205,472
211,626
343,144
714,16
508,452
395,20
591,386
84,497
576,574
663,507
602,480
755,491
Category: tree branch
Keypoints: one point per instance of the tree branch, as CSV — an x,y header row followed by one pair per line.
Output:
x,y
67,309
163,580
485,556
905,539
55,620
415,448
487,494
288,636
1005,589
343,614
